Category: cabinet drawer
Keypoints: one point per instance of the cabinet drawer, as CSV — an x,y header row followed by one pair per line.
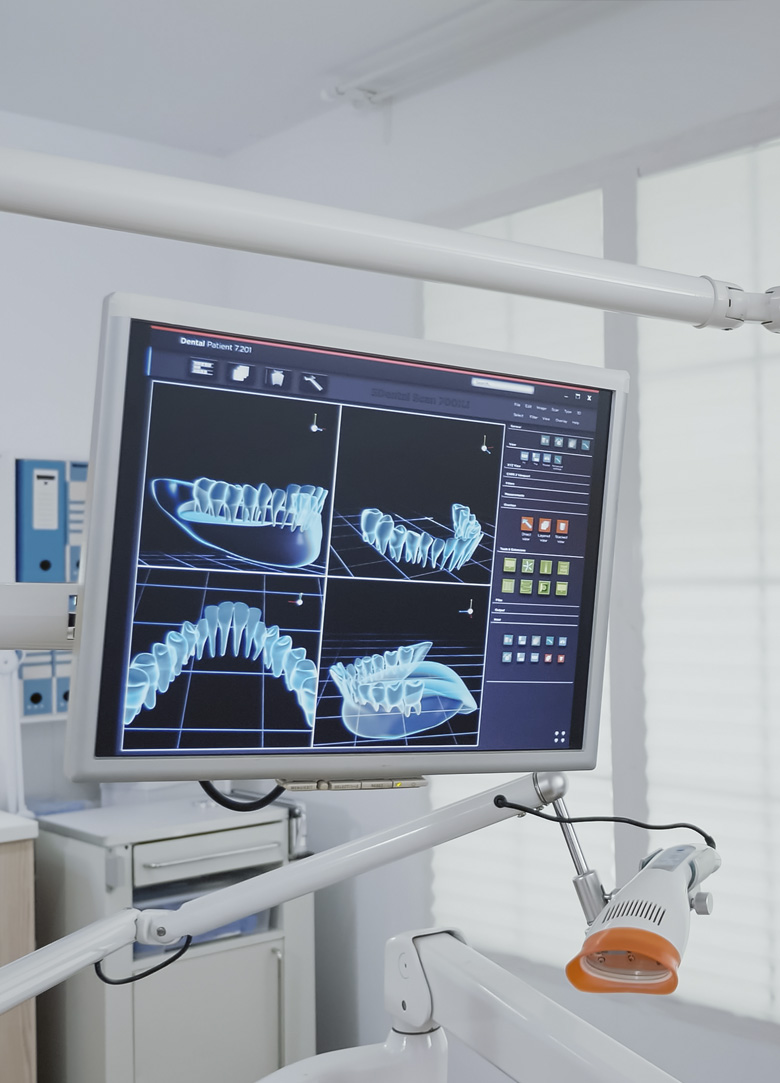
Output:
x,y
204,855
210,1017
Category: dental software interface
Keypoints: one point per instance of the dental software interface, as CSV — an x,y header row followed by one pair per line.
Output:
x,y
316,550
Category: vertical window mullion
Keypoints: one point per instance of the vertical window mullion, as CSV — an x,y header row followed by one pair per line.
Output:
x,y
627,678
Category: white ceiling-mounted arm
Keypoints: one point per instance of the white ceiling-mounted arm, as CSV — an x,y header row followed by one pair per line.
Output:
x,y
111,197
734,306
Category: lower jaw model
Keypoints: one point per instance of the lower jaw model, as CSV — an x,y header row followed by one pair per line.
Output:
x,y
396,694
228,627
420,547
282,527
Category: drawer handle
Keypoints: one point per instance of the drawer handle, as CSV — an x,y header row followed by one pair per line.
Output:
x,y
280,1017
210,857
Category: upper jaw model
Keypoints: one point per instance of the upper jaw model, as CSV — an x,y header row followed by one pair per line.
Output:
x,y
259,524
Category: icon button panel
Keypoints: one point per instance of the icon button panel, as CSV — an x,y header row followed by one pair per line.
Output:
x,y
200,366
313,383
547,648
241,374
278,379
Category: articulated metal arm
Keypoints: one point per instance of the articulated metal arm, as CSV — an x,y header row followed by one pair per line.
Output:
x,y
48,966
332,866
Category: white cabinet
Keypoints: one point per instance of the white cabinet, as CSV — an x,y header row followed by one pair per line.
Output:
x,y
237,1006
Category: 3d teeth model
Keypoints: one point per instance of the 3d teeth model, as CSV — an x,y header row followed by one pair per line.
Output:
x,y
381,531
398,693
256,523
297,507
229,626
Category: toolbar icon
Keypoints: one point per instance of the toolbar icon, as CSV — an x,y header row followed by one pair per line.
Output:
x,y
199,367
239,373
314,381
277,378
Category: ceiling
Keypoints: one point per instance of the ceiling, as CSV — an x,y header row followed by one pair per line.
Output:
x,y
214,76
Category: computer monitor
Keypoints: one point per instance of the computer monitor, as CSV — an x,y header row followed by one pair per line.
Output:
x,y
321,553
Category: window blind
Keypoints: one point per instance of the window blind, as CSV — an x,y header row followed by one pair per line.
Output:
x,y
710,467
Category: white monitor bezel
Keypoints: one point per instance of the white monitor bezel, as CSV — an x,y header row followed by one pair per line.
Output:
x,y
80,760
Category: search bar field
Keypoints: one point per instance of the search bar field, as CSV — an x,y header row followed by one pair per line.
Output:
x,y
502,385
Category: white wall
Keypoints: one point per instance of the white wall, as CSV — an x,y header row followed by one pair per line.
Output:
x,y
53,278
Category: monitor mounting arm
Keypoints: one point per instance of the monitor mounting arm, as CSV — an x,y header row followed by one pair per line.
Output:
x,y
49,965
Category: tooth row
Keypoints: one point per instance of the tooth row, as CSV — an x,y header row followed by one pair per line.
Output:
x,y
413,547
392,665
384,681
404,696
297,506
381,707
228,627
402,681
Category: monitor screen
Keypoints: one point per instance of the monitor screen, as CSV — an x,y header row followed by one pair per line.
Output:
x,y
317,553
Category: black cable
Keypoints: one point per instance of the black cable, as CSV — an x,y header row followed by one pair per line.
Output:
x,y
501,802
226,802
240,806
146,973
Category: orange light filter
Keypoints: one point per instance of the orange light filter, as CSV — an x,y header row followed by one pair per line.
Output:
x,y
625,960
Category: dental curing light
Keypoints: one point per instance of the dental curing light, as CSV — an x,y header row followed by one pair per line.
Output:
x,y
637,941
